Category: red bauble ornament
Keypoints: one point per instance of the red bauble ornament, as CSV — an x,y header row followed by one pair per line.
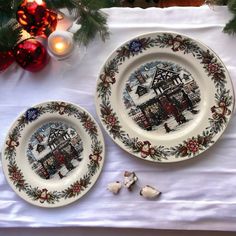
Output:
x,y
31,55
6,59
35,18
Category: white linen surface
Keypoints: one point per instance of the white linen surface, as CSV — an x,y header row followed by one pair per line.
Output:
x,y
197,194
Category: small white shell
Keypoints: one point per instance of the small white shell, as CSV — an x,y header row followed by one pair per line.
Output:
x,y
114,187
149,192
129,179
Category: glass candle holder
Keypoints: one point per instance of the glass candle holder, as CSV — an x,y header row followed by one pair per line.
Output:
x,y
60,44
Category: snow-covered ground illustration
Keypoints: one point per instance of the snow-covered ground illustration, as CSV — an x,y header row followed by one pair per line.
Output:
x,y
161,96
54,150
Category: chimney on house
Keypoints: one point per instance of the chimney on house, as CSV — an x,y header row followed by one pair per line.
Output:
x,y
140,78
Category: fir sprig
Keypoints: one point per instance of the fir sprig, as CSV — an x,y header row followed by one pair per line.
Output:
x,y
87,13
10,34
8,10
92,20
230,27
59,4
232,6
96,5
91,24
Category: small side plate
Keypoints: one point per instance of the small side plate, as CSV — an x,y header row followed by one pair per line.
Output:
x,y
53,154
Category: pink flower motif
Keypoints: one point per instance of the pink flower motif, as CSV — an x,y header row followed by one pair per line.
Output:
x,y
213,68
193,146
76,188
16,176
89,125
111,120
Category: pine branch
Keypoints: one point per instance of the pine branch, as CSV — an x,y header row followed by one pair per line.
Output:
x,y
10,34
91,24
232,6
58,4
230,27
91,19
8,10
217,2
96,5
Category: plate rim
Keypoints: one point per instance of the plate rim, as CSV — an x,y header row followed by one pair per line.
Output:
x,y
58,204
151,33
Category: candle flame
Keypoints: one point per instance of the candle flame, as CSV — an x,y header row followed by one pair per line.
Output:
x,y
60,43
59,46
39,2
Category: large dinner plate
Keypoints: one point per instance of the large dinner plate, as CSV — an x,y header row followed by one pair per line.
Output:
x,y
164,97
53,154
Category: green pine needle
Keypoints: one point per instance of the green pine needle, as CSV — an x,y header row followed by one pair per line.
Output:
x,y
232,6
230,27
10,34
91,24
8,10
217,2
98,4
59,4
91,19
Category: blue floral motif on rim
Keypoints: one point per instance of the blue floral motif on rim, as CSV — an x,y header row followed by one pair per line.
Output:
x,y
135,45
31,114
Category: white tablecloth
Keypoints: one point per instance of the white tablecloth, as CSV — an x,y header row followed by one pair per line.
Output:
x,y
197,194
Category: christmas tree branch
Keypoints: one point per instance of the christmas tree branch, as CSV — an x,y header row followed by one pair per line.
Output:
x,y
59,4
8,10
96,5
232,6
10,34
91,24
92,20
230,27
87,12
217,2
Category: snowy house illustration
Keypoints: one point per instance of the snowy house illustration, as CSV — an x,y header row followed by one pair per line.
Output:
x,y
56,149
155,94
40,148
141,90
57,138
165,80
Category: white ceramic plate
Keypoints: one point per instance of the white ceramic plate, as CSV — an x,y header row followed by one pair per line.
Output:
x,y
164,97
53,154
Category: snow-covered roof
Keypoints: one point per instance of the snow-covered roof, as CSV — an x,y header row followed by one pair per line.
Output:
x,y
140,100
150,92
38,156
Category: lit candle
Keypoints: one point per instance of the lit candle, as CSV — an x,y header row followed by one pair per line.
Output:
x,y
61,44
